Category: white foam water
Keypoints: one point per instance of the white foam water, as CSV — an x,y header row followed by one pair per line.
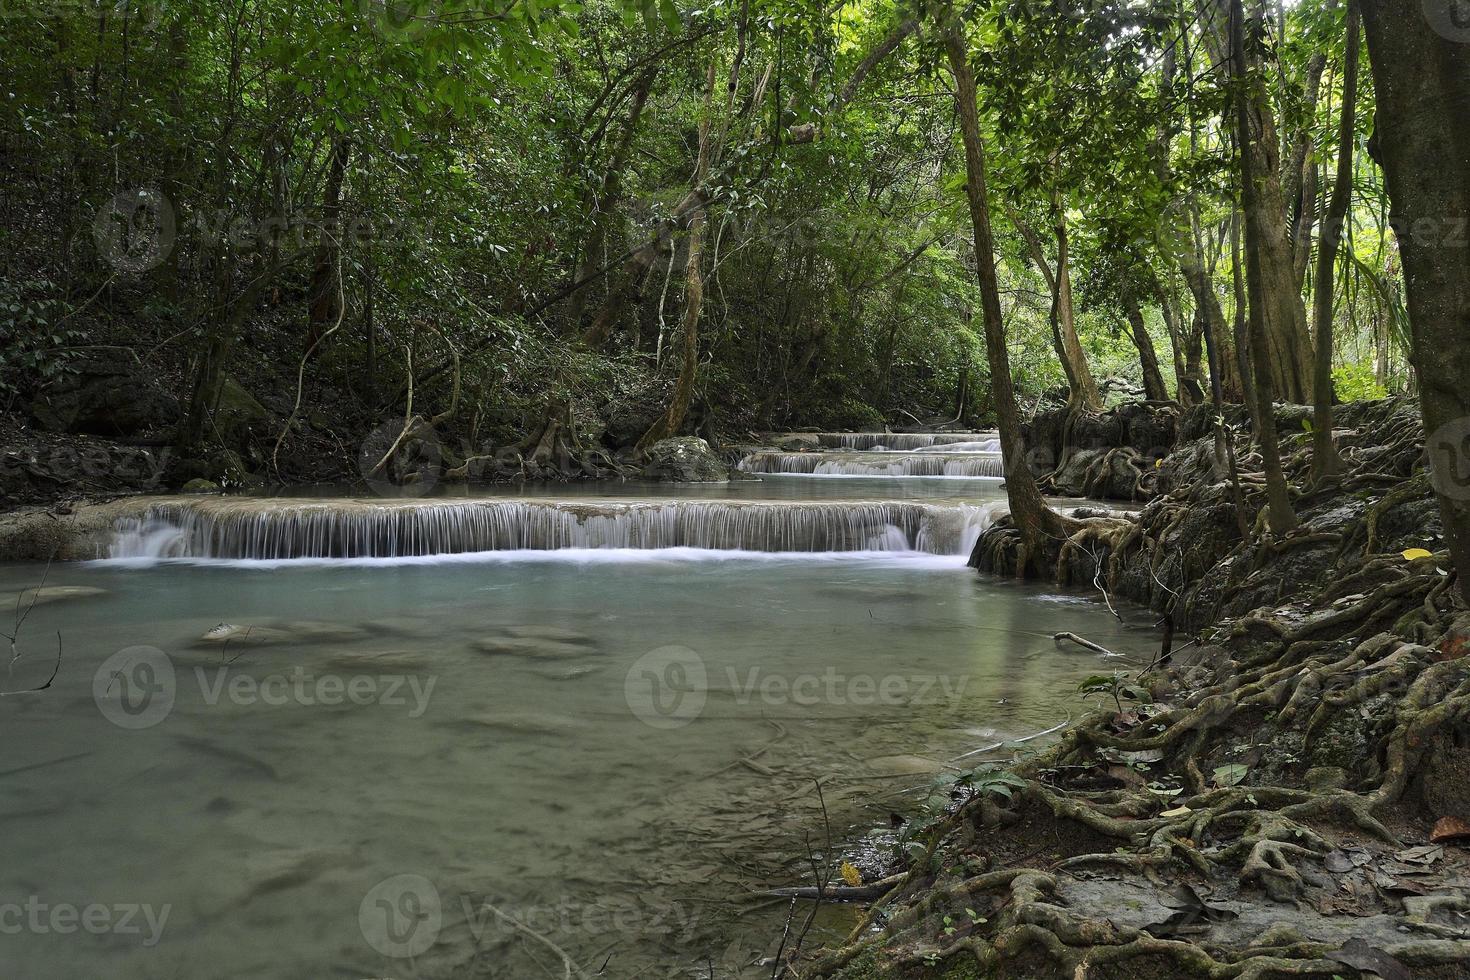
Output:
x,y
972,465
274,530
899,441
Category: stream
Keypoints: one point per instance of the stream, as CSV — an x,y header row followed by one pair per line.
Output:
x,y
492,734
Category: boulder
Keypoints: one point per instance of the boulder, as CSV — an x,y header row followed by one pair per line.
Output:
x,y
797,442
110,394
238,414
686,459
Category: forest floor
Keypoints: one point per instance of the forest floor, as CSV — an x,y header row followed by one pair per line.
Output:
x,y
1285,794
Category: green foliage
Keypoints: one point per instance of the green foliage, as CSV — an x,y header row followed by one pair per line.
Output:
x,y
35,342
1357,382
489,158
1116,686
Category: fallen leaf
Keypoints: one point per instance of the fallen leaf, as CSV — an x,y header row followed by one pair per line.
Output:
x,y
1397,886
1230,775
1452,647
1338,862
1360,956
1449,829
1414,554
1426,854
1182,811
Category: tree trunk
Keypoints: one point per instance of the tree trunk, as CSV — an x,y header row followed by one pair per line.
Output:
x,y
668,424
1081,388
1325,460
324,290
1148,358
1421,69
603,206
1302,172
1029,512
1280,518
1084,395
1288,354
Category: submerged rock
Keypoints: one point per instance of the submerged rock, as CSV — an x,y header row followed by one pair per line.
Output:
x,y
558,633
46,594
532,647
380,662
530,723
294,632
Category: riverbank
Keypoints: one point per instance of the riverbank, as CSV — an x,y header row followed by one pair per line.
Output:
x,y
1282,793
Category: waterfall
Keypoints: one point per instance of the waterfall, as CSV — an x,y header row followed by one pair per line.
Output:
x,y
973,464
901,441
253,528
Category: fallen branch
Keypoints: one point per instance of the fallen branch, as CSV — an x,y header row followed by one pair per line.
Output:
x,y
1083,642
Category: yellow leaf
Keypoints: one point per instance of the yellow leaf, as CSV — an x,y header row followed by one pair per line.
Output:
x,y
851,874
1414,554
1158,464
1182,811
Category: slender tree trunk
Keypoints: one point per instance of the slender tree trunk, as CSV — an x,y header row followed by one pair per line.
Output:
x,y
1085,395
1288,348
668,424
1302,171
1148,359
1280,517
324,291
1239,326
1081,388
603,207
1029,512
1420,56
1325,460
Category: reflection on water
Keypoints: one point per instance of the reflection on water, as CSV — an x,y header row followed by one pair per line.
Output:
x,y
375,768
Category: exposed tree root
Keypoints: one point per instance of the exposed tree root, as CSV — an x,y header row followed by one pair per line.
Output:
x,y
1367,663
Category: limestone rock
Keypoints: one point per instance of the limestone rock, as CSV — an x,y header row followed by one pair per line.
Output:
x,y
686,459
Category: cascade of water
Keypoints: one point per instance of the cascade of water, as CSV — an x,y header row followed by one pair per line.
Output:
x,y
283,529
975,464
897,441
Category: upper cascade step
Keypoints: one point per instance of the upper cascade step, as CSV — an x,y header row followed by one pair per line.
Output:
x,y
966,464
896,441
